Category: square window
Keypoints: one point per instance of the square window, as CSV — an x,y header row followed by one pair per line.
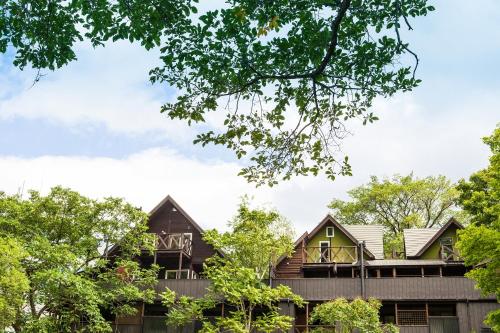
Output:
x,y
171,275
330,231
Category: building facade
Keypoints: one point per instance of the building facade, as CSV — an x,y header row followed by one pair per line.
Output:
x,y
421,290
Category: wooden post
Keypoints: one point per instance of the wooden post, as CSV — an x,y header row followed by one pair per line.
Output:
x,y
440,271
396,313
394,272
307,317
178,275
422,271
427,313
378,273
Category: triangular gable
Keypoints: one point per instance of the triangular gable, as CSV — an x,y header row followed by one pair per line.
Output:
x,y
329,218
438,234
169,199
318,228
158,208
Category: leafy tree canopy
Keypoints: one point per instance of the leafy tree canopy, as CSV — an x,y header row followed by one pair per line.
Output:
x,y
345,316
479,243
480,196
257,239
13,281
286,75
399,203
72,274
236,281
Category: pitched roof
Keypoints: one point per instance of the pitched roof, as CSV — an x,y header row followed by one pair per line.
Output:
x,y
417,241
158,207
167,199
445,227
372,235
344,229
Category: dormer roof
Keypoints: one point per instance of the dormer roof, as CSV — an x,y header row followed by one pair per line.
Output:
x,y
417,241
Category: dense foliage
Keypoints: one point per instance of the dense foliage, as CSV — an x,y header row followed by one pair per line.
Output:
x,y
340,315
398,203
286,75
236,281
64,241
480,195
257,239
13,281
479,243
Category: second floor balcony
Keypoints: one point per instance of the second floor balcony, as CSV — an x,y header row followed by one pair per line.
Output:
x,y
449,252
329,254
174,242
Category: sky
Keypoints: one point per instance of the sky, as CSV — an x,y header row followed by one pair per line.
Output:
x,y
95,126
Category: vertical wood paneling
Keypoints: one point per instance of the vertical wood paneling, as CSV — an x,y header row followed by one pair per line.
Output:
x,y
478,312
415,288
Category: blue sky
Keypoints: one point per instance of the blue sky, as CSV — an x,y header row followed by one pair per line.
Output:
x,y
95,125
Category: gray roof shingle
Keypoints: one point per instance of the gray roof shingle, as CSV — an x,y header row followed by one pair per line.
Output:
x,y
415,239
373,236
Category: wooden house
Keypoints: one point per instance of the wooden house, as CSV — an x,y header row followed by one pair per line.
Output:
x,y
423,290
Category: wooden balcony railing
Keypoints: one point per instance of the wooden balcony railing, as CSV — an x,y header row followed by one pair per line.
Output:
x,y
449,253
174,242
327,255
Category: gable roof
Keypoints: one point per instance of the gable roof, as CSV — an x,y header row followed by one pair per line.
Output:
x,y
372,235
349,235
168,199
417,241
157,208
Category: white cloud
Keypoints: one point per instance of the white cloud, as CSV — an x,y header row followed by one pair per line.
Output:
x,y
106,86
401,142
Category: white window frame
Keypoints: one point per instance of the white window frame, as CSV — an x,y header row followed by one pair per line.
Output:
x,y
333,232
177,272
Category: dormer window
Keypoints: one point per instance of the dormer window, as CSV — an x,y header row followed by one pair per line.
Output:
x,y
330,231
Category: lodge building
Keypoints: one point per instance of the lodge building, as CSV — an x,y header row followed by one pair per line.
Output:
x,y
421,290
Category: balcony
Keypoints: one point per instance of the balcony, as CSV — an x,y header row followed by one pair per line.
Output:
x,y
449,253
329,255
174,242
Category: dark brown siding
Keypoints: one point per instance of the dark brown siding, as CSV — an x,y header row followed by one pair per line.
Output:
x,y
411,288
323,289
471,315
193,288
416,288
171,221
290,267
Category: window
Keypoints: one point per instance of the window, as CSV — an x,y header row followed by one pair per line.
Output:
x,y
173,274
330,231
411,314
